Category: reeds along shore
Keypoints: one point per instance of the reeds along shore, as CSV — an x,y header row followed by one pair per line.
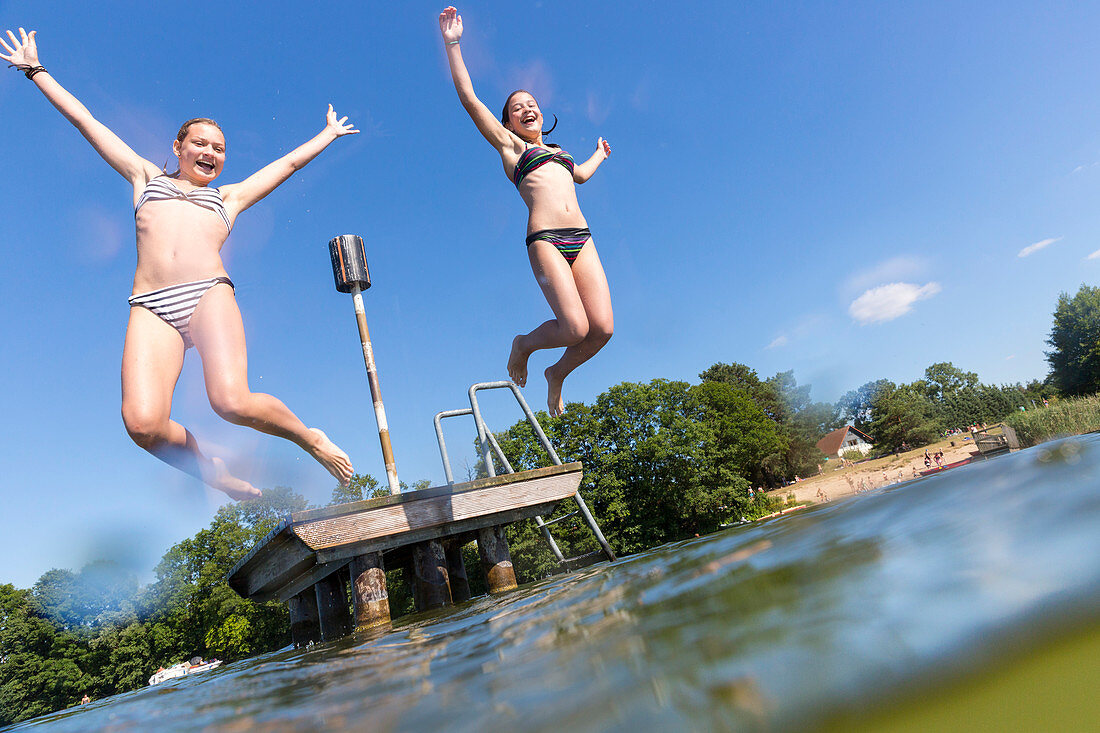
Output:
x,y
1071,416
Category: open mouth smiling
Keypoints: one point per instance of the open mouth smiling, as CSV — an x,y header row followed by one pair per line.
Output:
x,y
205,165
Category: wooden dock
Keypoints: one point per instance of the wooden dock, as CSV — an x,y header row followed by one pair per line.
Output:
x,y
305,560
995,440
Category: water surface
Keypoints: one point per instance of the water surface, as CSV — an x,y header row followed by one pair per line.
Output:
x,y
968,600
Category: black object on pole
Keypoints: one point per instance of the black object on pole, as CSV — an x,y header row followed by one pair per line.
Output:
x,y
349,269
349,262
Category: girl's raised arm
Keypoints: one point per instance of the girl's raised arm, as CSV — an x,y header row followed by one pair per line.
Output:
x,y
450,23
239,196
23,55
585,170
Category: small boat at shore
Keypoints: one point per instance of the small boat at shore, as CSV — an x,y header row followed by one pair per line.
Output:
x,y
183,669
956,464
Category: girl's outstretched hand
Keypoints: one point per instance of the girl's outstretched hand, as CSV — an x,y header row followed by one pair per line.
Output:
x,y
603,147
339,127
23,50
450,23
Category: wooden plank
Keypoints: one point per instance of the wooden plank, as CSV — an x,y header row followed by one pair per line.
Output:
x,y
394,519
355,507
277,567
272,537
297,583
381,544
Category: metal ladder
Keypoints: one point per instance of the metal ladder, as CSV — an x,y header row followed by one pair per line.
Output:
x,y
489,447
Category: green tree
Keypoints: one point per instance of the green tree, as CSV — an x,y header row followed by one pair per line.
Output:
x,y
1074,339
943,379
806,423
362,486
190,597
38,663
764,393
902,415
740,441
663,461
856,405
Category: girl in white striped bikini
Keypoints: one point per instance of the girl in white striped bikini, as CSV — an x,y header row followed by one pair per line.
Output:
x,y
182,295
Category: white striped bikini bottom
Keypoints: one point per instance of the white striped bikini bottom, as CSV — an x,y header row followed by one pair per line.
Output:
x,y
175,303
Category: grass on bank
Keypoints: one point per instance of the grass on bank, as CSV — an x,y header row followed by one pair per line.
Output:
x,y
1071,416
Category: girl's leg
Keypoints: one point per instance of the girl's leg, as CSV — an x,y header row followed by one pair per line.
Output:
x,y
218,334
570,323
151,362
591,287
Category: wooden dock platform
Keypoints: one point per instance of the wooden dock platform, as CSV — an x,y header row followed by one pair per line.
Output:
x,y
995,440
304,560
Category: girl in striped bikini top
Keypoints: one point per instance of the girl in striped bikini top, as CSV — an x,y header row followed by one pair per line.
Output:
x,y
535,157
559,244
164,188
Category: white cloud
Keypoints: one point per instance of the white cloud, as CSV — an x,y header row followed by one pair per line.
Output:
x,y
779,340
1094,255
1032,248
887,302
893,270
598,109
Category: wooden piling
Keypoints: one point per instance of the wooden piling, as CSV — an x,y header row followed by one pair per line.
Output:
x,y
332,606
496,562
456,571
432,582
369,595
304,625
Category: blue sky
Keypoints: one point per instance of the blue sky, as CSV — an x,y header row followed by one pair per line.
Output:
x,y
853,191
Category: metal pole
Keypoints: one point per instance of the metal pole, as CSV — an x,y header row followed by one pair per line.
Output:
x,y
486,449
375,389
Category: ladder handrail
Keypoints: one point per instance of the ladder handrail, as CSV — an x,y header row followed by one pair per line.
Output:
x,y
443,443
488,444
481,429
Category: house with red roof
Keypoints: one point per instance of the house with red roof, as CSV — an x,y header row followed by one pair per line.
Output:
x,y
844,439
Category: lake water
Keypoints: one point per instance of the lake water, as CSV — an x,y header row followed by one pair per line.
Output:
x,y
969,601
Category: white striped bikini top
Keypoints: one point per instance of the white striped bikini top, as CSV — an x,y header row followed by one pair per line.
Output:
x,y
163,188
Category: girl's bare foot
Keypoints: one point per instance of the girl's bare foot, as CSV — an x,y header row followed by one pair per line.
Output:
x,y
517,362
234,487
332,458
553,392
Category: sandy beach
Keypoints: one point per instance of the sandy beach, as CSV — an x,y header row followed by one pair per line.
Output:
x,y
835,482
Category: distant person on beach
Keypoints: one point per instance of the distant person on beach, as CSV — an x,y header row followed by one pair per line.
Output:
x,y
182,295
559,245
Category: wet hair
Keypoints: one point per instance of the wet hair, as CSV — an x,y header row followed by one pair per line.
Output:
x,y
182,134
196,121
504,112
